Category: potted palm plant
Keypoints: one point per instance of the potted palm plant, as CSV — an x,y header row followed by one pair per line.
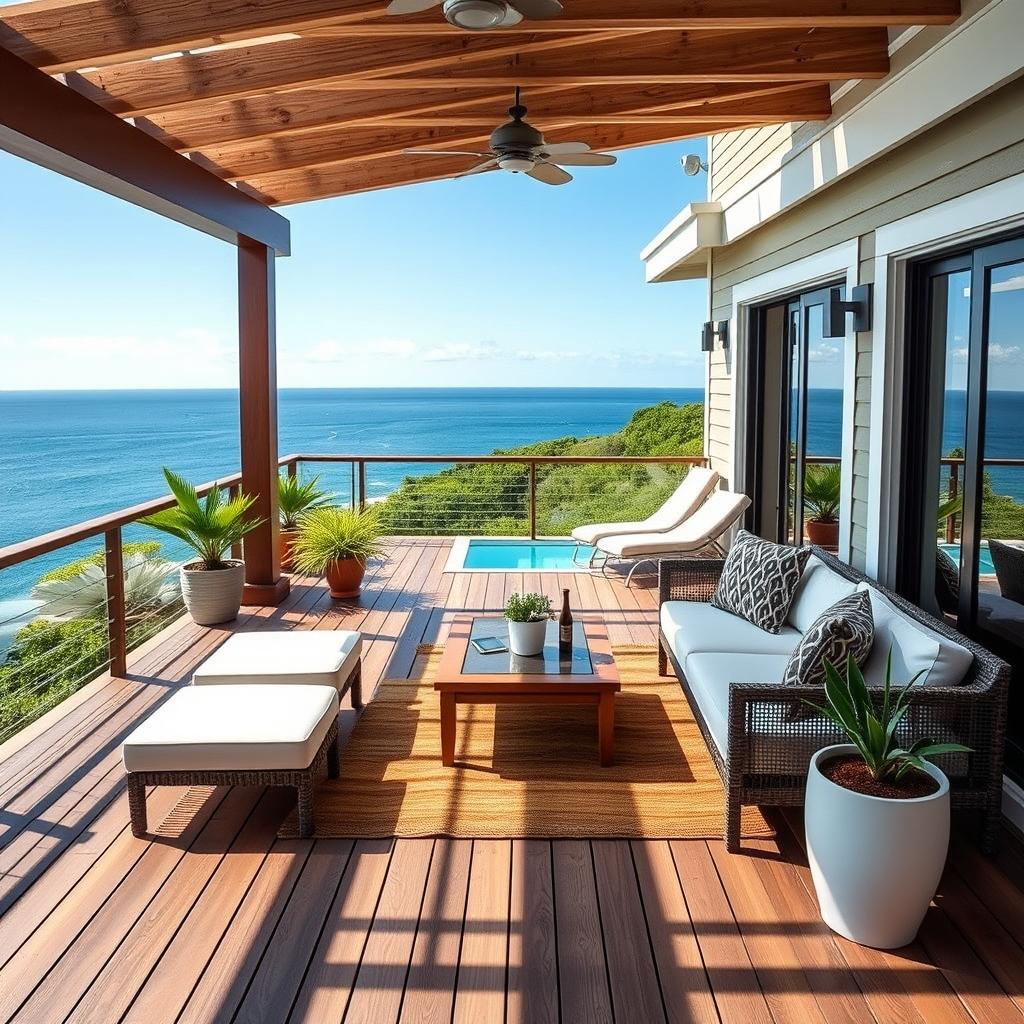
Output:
x,y
211,587
337,542
295,498
527,616
821,504
876,814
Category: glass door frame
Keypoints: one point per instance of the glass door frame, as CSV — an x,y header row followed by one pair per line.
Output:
x,y
797,309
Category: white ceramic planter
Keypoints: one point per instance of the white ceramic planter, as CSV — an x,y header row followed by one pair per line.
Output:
x,y
215,595
527,638
876,863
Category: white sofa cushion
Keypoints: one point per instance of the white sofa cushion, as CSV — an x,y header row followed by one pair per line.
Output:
x,y
915,648
710,676
693,626
322,657
819,589
239,727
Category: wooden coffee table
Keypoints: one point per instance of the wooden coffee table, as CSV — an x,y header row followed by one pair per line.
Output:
x,y
589,676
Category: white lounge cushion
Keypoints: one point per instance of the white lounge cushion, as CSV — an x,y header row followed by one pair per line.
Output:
x,y
322,657
710,676
695,626
818,590
682,503
915,648
241,728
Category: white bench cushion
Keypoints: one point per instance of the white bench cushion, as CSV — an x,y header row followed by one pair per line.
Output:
x,y
322,657
241,728
819,588
695,626
915,648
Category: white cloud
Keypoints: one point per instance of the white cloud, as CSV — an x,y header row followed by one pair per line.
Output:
x,y
1011,284
822,353
456,351
343,351
1003,353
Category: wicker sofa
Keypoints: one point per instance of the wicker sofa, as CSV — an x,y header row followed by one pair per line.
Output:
x,y
762,749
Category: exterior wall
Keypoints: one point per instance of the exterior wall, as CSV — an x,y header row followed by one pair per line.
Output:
x,y
978,146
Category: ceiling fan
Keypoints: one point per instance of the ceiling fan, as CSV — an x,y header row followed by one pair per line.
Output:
x,y
481,15
518,147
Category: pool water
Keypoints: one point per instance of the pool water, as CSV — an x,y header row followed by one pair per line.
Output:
x,y
985,566
525,555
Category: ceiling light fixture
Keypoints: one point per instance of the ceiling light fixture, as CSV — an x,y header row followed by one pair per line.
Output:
x,y
475,15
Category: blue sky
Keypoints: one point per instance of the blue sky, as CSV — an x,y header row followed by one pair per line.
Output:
x,y
492,280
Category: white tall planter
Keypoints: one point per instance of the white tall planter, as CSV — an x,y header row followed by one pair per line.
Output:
x,y
527,638
213,595
876,862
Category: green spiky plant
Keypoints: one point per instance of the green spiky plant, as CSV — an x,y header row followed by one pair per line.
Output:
x,y
822,493
210,526
332,534
528,608
296,497
871,728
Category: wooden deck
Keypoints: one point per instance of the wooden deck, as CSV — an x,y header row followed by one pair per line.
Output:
x,y
218,920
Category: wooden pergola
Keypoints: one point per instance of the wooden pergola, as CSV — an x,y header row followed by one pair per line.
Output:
x,y
212,112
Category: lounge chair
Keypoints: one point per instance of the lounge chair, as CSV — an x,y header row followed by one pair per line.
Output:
x,y
701,530
681,503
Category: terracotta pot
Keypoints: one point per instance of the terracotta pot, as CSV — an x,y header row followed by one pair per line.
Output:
x,y
345,577
825,535
285,543
213,595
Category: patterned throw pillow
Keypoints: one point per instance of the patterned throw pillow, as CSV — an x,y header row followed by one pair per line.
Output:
x,y
759,580
845,629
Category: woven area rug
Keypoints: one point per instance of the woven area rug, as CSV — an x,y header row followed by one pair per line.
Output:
x,y
526,770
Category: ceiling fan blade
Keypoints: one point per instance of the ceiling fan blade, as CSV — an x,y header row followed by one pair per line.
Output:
x,y
584,160
538,9
560,148
441,152
478,168
411,6
550,174
512,17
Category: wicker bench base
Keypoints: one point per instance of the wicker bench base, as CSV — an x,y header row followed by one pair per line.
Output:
x,y
303,779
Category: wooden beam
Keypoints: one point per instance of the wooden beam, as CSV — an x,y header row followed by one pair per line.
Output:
x,y
257,364
53,126
349,143
261,119
72,34
379,172
152,87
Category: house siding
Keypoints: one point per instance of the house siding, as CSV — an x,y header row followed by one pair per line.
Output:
x,y
976,147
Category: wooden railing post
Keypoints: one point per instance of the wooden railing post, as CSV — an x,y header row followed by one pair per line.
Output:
x,y
954,481
117,627
352,485
236,549
293,468
362,485
533,501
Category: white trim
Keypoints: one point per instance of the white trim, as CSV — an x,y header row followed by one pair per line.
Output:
x,y
1013,803
800,276
678,252
960,221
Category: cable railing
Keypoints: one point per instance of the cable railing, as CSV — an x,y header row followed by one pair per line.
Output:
x,y
64,639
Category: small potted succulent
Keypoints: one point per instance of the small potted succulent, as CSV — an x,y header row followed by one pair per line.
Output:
x,y
876,814
527,616
294,499
821,504
211,587
337,542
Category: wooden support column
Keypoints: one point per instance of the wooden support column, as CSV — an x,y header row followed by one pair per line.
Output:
x,y
257,351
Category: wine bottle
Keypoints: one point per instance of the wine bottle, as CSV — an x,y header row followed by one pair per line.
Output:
x,y
565,625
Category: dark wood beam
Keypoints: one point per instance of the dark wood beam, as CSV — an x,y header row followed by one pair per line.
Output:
x,y
257,364
53,126
66,36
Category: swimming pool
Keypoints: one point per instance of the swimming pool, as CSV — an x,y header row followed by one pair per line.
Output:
x,y
476,554
985,566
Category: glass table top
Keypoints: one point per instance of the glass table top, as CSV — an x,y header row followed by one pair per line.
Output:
x,y
548,662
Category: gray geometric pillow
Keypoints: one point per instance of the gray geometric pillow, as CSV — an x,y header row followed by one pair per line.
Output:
x,y
845,629
759,580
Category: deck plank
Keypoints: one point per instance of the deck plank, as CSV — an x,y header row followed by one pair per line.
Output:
x,y
532,954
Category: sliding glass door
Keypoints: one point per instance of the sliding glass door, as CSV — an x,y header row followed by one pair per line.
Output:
x,y
961,550
794,435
